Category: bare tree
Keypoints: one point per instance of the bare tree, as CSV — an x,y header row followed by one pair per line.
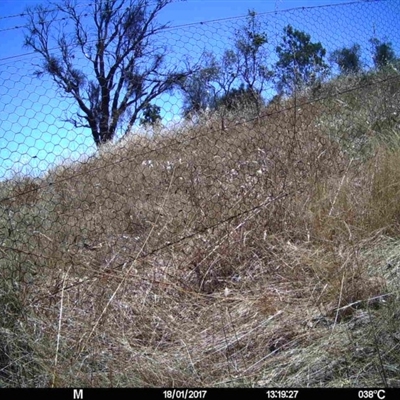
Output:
x,y
117,40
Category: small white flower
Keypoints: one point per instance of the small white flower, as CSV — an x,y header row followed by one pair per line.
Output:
x,y
147,163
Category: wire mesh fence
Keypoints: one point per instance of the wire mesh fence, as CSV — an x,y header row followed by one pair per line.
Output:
x,y
191,200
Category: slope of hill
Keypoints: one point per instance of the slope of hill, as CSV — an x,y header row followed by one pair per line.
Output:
x,y
265,253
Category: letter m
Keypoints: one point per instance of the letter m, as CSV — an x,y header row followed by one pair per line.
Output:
x,y
78,394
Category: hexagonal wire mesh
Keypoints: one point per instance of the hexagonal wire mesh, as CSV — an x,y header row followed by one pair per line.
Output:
x,y
177,192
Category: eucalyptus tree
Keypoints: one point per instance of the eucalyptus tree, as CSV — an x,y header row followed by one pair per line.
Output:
x,y
348,59
106,56
301,62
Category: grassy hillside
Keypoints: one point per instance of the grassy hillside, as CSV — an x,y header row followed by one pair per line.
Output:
x,y
266,253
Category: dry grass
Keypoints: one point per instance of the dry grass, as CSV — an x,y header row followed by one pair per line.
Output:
x,y
263,254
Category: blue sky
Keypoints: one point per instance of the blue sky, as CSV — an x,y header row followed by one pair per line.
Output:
x,y
33,135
